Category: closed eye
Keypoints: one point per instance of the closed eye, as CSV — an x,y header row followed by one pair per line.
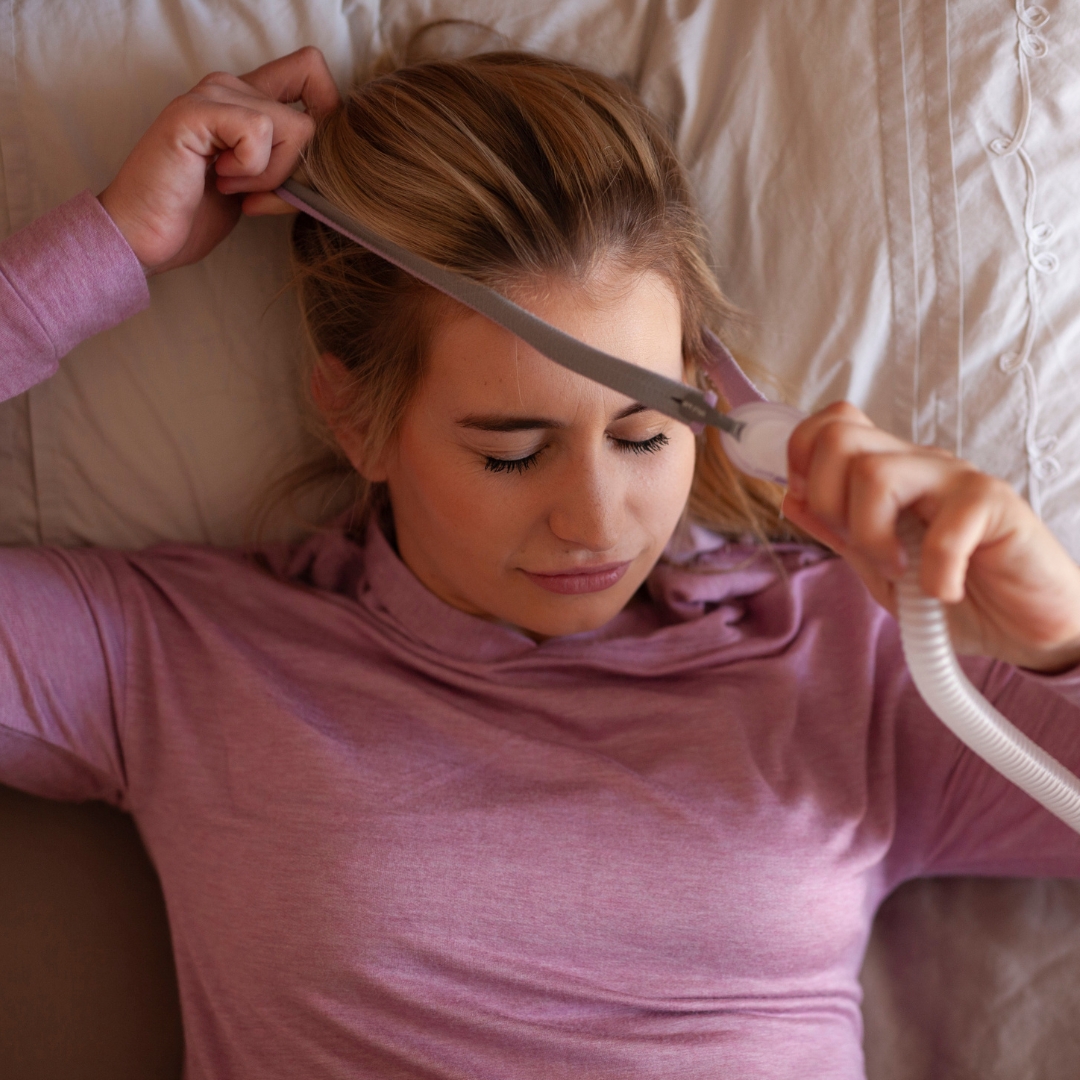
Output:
x,y
520,465
646,446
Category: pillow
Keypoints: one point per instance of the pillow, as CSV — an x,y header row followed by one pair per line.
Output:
x,y
866,200
160,427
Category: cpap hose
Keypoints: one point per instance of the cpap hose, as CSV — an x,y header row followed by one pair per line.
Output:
x,y
761,450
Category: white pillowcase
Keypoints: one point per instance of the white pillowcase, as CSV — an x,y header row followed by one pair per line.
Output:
x,y
860,207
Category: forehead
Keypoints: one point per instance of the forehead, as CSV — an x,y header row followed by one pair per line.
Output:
x,y
472,362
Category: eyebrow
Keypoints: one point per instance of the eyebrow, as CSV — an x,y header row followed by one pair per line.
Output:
x,y
500,422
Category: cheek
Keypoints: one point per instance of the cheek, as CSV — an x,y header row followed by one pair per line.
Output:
x,y
442,491
660,493
452,499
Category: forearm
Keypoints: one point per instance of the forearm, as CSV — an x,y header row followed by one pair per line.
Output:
x,y
66,276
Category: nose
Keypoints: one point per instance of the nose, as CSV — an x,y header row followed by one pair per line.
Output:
x,y
587,508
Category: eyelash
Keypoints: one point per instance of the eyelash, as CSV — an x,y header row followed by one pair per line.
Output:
x,y
520,465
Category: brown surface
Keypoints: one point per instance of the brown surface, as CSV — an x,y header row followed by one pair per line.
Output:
x,y
964,979
87,986
970,979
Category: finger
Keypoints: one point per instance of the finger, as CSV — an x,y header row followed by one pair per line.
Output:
x,y
280,165
801,443
798,513
300,76
244,138
837,446
292,131
215,81
969,516
262,203
880,587
209,128
880,486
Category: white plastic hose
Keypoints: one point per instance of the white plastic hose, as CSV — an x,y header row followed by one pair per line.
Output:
x,y
925,637
962,709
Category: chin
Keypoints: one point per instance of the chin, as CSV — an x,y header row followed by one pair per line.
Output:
x,y
576,615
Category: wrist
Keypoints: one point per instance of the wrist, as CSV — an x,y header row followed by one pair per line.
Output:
x,y
125,228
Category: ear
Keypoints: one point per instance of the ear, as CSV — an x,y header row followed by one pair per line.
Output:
x,y
329,387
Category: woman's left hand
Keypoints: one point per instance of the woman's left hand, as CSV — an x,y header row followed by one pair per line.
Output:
x,y
1010,589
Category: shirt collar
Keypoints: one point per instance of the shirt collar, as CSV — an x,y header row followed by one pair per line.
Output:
x,y
700,574
395,593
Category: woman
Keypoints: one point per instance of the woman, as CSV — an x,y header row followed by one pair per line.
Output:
x,y
446,791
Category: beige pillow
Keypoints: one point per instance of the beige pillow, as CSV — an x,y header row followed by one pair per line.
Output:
x,y
861,207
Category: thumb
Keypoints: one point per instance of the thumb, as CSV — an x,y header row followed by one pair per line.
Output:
x,y
262,203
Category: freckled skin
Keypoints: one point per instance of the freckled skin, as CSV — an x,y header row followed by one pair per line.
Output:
x,y
593,495
590,489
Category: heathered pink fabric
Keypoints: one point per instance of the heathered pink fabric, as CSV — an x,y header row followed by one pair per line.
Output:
x,y
66,277
399,841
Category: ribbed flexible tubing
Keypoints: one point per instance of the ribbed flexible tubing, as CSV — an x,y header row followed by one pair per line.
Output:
x,y
761,450
961,708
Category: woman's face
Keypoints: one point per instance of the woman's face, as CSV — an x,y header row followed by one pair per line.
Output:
x,y
525,493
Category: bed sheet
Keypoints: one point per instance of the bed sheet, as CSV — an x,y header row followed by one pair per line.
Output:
x,y
970,979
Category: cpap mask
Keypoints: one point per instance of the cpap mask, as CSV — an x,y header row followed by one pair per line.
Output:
x,y
755,437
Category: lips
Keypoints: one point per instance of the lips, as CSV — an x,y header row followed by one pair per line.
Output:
x,y
588,579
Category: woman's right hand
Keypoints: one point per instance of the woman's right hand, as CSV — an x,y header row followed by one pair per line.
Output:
x,y
216,151
1010,589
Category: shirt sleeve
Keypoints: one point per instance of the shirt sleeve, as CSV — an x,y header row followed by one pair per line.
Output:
x,y
62,675
66,276
957,815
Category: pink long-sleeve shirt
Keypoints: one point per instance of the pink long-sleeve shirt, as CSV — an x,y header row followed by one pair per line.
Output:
x,y
398,841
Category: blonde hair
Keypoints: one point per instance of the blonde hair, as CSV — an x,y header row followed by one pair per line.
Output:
x,y
509,168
